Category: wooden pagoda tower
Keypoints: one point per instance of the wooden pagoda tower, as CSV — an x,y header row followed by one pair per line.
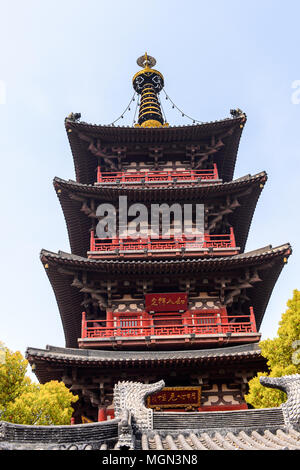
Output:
x,y
150,309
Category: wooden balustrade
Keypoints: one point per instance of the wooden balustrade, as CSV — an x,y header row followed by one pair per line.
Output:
x,y
144,177
150,244
189,323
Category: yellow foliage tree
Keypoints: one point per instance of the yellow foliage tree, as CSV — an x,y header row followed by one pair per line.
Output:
x,y
24,402
282,354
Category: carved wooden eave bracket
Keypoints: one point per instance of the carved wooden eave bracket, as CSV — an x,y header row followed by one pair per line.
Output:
x,y
94,292
233,289
156,153
88,206
216,216
86,209
201,152
96,148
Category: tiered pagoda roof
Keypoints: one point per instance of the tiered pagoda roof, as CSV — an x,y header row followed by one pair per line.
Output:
x,y
71,194
57,358
268,260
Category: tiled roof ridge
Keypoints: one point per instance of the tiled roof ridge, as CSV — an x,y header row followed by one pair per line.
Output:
x,y
264,251
79,124
227,184
89,354
140,427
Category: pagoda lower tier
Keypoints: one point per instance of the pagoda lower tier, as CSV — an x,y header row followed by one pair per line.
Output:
x,y
218,376
103,303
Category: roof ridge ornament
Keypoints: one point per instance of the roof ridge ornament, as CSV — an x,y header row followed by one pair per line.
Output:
x,y
73,117
290,384
237,112
131,397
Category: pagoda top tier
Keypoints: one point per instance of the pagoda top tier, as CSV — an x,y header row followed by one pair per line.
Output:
x,y
216,141
153,144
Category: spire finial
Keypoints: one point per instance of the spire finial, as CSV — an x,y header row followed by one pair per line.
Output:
x,y
148,83
146,61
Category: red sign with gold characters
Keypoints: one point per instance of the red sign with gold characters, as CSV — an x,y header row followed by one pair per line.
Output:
x,y
176,397
166,302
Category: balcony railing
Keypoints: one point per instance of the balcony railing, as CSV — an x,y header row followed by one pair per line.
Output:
x,y
130,326
157,177
127,245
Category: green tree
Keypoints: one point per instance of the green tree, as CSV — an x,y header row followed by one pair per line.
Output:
x,y
13,380
25,402
282,354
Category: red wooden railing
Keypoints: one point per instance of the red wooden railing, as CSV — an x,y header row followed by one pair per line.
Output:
x,y
138,325
140,177
127,244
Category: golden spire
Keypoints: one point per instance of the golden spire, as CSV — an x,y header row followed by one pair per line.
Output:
x,y
148,83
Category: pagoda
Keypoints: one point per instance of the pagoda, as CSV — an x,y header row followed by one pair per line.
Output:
x,y
158,306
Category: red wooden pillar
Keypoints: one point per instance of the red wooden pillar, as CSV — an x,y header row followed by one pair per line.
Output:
x,y
216,175
152,327
92,241
102,416
219,323
146,320
149,243
252,320
184,323
206,240
99,176
224,315
83,325
186,320
232,237
109,319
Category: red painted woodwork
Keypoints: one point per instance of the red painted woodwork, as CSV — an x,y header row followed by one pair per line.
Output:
x,y
241,406
102,414
110,413
140,177
191,322
170,244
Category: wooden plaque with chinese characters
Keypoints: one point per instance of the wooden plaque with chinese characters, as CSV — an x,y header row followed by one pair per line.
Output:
x,y
175,397
166,302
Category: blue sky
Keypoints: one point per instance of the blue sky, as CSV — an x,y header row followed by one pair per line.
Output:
x,y
80,56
